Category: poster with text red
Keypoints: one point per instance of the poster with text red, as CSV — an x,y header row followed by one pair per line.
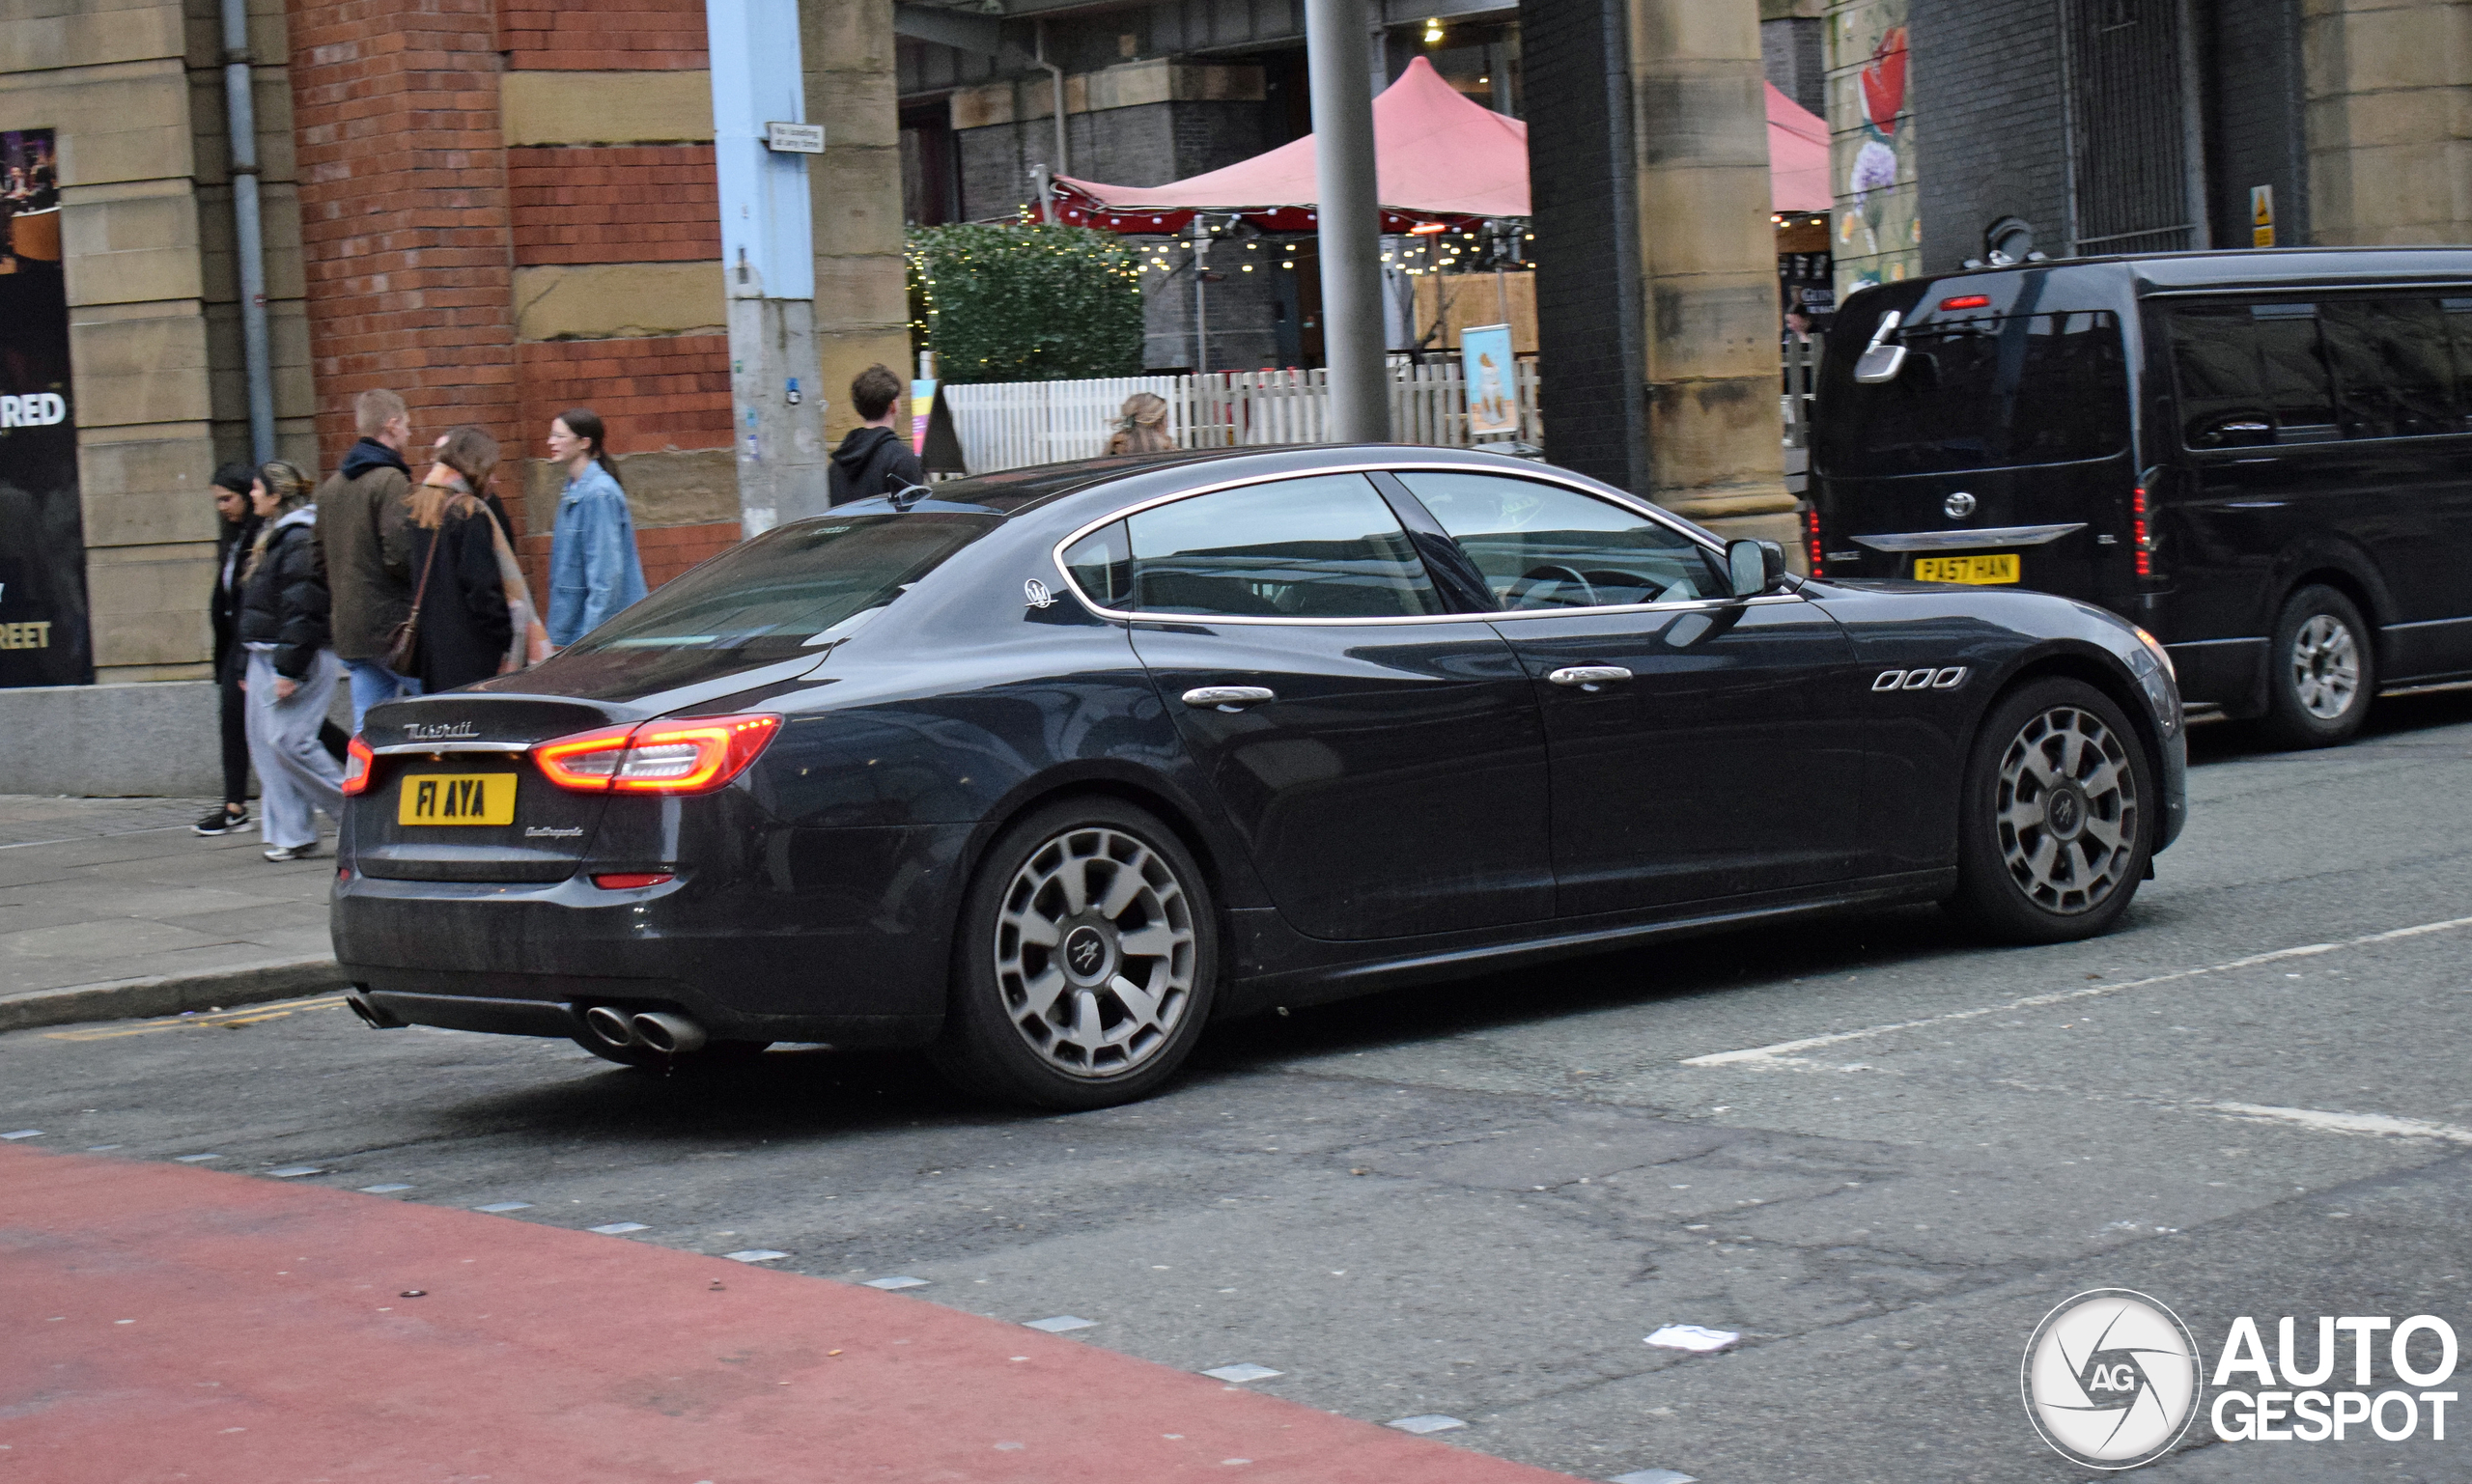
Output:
x,y
44,639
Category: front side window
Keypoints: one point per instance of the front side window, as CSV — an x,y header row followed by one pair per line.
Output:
x,y
1546,547
1323,546
1976,394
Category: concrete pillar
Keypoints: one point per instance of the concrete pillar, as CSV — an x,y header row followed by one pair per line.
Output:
x,y
862,307
2388,120
1708,266
1657,296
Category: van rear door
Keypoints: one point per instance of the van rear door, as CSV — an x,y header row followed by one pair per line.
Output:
x,y
1999,454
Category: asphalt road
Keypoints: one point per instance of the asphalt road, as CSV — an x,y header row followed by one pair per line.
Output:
x,y
1477,1200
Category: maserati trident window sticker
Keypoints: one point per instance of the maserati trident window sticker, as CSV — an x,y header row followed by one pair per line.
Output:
x,y
1035,594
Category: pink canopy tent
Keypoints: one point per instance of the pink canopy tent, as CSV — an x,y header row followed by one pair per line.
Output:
x,y
1441,158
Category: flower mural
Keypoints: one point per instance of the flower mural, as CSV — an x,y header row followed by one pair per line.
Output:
x,y
1878,238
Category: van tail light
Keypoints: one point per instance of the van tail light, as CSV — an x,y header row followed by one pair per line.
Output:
x,y
685,755
2139,536
1967,301
1811,532
358,760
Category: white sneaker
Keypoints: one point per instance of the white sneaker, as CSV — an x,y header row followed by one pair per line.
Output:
x,y
293,851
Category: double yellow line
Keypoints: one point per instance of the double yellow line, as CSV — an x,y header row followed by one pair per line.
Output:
x,y
227,1020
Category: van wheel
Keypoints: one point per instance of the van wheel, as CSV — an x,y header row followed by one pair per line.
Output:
x,y
1085,962
2058,816
2322,673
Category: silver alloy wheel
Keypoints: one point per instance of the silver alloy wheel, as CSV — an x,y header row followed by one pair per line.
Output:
x,y
1095,952
2325,666
2067,810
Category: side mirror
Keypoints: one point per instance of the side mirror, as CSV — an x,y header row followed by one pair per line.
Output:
x,y
1881,360
1753,567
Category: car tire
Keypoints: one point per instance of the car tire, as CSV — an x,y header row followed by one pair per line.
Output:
x,y
2058,817
1058,1002
2322,672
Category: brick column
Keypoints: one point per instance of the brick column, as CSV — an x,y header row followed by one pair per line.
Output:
x,y
404,211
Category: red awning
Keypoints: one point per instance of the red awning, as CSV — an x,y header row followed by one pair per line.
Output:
x,y
1443,157
1797,157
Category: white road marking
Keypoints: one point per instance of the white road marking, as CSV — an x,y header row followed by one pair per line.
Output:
x,y
2343,1122
1789,1052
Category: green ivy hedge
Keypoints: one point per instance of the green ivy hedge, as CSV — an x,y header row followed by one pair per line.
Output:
x,y
1026,303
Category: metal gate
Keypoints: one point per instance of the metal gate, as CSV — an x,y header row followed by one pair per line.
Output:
x,y
2135,163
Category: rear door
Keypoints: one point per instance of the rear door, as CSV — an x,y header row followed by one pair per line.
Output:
x,y
1701,747
1382,758
1999,455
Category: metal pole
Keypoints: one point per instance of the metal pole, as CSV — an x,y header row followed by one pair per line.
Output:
x,y
1350,221
240,113
1055,83
1201,293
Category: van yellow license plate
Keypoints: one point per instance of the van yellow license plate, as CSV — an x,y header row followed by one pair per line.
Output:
x,y
1989,566
455,798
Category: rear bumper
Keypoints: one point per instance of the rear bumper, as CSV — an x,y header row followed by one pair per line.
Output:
x,y
838,935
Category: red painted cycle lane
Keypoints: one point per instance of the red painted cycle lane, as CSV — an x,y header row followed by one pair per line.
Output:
x,y
164,1323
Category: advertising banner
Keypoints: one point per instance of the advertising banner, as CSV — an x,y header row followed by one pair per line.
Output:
x,y
42,534
1493,398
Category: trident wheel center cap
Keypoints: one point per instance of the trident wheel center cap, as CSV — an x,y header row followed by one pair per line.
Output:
x,y
2065,812
1088,954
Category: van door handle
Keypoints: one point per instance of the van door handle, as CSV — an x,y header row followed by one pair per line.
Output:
x,y
1230,698
1588,676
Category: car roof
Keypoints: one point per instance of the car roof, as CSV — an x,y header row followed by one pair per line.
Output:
x,y
2255,268
1019,491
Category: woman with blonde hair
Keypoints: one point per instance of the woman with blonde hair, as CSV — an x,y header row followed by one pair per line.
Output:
x,y
293,671
463,626
1144,429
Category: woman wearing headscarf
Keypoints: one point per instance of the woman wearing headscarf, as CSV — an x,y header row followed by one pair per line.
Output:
x,y
293,672
1144,426
463,628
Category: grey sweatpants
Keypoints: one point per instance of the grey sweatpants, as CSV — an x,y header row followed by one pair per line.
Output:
x,y
296,775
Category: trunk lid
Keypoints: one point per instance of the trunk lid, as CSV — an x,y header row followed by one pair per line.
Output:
x,y
454,794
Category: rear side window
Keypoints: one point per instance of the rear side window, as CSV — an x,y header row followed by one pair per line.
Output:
x,y
2296,373
1982,394
1544,547
1324,547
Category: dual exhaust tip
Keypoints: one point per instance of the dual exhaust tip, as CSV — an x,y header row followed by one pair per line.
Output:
x,y
656,1030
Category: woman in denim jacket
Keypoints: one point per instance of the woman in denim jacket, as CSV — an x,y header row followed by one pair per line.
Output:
x,y
594,571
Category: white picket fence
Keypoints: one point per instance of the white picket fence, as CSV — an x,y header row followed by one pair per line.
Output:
x,y
1009,424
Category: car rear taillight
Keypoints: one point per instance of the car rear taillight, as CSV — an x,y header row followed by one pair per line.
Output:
x,y
1811,530
358,760
689,755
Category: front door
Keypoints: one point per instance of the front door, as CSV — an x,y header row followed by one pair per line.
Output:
x,y
1384,760
1701,747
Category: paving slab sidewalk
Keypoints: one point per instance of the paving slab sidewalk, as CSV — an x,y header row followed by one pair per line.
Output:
x,y
112,908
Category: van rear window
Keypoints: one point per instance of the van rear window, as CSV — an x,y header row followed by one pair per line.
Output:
x,y
1982,393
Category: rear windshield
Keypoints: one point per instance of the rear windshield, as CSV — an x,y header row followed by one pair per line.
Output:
x,y
1980,394
793,591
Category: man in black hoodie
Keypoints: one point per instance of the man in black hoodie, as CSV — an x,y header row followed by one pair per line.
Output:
x,y
361,523
875,459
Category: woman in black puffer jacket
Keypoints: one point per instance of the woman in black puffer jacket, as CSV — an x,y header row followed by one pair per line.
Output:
x,y
291,671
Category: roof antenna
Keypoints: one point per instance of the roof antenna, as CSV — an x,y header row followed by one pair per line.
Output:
x,y
908,495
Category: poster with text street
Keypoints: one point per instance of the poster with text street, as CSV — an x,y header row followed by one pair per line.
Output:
x,y
42,536
1493,398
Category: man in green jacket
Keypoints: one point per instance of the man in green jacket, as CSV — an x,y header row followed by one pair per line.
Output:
x,y
362,526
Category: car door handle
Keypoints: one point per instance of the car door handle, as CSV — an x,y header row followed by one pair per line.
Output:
x,y
1229,697
1588,676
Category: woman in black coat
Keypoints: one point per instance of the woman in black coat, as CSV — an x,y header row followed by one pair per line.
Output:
x,y
237,533
464,630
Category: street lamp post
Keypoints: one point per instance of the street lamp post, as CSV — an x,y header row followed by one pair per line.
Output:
x,y
1350,219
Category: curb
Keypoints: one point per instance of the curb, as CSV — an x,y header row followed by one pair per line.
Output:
x,y
121,999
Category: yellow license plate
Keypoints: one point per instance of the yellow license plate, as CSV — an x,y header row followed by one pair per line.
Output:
x,y
455,798
1989,566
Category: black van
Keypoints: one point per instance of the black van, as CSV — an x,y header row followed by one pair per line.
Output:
x,y
2263,458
